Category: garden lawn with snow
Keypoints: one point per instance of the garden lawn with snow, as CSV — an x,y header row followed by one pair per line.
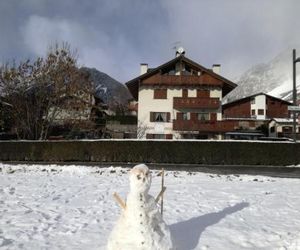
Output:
x,y
71,207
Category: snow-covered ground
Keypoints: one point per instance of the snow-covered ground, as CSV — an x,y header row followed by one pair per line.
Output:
x,y
71,207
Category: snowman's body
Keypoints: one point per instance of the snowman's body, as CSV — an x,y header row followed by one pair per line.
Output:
x,y
140,225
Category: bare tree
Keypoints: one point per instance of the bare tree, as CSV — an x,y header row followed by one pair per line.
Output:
x,y
46,91
141,130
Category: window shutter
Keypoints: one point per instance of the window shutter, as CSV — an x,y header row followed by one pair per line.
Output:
x,y
169,136
202,93
194,116
179,116
184,93
160,94
168,116
213,116
149,136
152,115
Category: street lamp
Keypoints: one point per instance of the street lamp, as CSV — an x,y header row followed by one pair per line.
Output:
x,y
295,60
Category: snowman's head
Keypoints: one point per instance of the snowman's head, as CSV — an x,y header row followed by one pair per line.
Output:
x,y
140,179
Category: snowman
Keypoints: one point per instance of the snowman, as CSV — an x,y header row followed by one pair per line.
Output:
x,y
140,226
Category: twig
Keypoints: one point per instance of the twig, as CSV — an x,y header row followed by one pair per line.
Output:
x,y
119,200
160,194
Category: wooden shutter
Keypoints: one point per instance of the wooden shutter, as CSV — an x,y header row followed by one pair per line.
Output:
x,y
194,116
184,93
152,116
168,116
202,93
213,116
149,136
160,94
169,136
179,116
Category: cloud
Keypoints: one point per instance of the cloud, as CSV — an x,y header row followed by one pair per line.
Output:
x,y
95,48
115,36
236,34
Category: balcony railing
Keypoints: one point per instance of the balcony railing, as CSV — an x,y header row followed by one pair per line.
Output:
x,y
204,126
204,79
195,102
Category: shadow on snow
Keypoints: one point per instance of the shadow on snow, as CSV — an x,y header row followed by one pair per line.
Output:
x,y
186,234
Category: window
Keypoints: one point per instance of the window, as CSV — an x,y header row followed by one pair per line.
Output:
x,y
160,94
253,100
203,116
159,136
159,116
260,112
272,130
253,112
186,116
287,129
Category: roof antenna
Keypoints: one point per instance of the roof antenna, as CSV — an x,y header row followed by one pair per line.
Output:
x,y
179,50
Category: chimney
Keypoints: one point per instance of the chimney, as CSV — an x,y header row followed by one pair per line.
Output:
x,y
144,68
216,68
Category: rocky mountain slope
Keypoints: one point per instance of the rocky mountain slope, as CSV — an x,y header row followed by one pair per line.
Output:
x,y
108,89
273,77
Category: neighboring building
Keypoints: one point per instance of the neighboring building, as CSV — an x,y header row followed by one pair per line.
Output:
x,y
132,107
253,113
73,109
283,127
180,99
256,107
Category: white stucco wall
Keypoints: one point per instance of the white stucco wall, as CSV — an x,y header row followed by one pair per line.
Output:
x,y
192,93
148,104
260,103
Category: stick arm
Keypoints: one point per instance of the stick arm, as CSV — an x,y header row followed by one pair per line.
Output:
x,y
119,200
160,194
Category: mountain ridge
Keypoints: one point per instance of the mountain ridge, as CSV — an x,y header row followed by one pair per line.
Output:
x,y
109,90
273,77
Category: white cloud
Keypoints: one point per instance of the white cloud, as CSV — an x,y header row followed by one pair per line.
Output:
x,y
41,32
95,48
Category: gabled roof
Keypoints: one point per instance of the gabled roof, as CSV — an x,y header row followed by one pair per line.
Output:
x,y
254,95
133,84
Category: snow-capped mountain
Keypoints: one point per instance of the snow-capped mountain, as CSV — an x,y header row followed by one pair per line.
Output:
x,y
108,89
273,78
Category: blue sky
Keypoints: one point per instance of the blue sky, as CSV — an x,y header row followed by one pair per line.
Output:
x,y
115,36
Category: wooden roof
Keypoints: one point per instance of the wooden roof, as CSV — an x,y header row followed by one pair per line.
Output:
x,y
208,78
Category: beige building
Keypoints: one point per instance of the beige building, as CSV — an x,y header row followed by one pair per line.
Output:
x,y
180,99
283,127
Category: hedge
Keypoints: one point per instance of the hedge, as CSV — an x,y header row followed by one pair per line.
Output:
x,y
153,151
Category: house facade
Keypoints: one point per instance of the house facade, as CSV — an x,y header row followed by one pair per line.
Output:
x,y
180,99
253,113
257,107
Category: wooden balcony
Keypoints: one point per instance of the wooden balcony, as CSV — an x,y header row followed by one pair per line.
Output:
x,y
196,103
204,126
178,80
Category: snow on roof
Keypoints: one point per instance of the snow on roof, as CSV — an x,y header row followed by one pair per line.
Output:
x,y
284,120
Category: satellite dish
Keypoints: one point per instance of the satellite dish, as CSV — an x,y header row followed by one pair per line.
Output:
x,y
180,51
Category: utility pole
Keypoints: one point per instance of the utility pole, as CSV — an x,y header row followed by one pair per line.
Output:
x,y
295,60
